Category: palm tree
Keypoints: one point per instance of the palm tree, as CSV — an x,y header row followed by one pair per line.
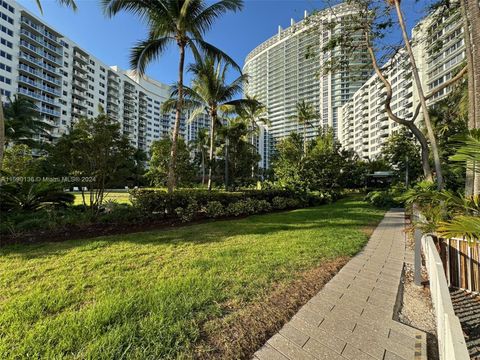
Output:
x,y
182,22
210,93
201,145
23,123
253,112
305,115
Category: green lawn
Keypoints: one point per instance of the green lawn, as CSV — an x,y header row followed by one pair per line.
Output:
x,y
146,295
121,197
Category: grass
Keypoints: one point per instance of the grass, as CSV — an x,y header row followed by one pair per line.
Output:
x,y
147,295
121,197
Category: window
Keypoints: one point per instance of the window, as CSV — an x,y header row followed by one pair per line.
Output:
x,y
5,80
5,55
5,67
6,43
6,18
6,31
7,6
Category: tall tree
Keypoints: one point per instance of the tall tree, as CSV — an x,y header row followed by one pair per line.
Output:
x,y
200,146
183,22
210,92
254,113
305,116
421,94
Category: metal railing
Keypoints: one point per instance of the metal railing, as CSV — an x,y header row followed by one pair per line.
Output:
x,y
451,342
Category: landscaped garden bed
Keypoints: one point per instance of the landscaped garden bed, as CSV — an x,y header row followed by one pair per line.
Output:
x,y
191,291
149,209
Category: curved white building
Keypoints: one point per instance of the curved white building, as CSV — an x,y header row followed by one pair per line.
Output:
x,y
289,67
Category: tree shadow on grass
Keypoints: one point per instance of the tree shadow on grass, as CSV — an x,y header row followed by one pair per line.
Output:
x,y
344,215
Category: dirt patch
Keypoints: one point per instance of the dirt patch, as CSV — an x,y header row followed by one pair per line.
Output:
x,y
417,310
239,335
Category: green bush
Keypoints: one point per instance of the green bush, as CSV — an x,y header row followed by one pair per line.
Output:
x,y
279,203
187,213
214,209
383,199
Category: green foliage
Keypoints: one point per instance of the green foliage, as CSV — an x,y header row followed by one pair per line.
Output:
x,y
30,196
95,152
159,161
402,152
214,209
242,155
386,199
18,160
325,166
23,123
466,227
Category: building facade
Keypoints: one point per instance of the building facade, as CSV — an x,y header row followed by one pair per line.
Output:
x,y
67,83
439,50
290,67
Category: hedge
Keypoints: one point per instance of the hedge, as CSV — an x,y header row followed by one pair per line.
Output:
x,y
192,204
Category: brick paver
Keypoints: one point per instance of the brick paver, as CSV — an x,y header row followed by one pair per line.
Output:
x,y
352,316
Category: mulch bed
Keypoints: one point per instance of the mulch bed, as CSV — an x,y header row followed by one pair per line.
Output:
x,y
239,335
90,231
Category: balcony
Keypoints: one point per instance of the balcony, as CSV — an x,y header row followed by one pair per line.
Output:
x,y
49,111
37,62
39,29
78,93
79,103
39,74
37,96
40,41
80,67
77,55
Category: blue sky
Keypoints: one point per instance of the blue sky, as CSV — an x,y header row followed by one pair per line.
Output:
x,y
237,34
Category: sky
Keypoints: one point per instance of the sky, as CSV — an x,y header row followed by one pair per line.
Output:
x,y
237,34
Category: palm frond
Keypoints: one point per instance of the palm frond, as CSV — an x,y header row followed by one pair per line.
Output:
x,y
144,52
466,227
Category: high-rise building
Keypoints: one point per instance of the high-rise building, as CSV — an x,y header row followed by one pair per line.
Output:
x,y
364,123
290,67
67,83
439,49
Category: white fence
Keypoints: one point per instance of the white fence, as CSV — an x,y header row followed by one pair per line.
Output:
x,y
451,343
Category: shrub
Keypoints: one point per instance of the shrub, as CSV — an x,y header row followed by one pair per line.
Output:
x,y
187,213
382,199
279,203
214,209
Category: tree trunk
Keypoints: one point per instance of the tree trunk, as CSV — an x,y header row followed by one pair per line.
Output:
x,y
213,120
304,139
473,15
423,102
172,164
203,167
410,124
470,173
253,147
2,133
226,163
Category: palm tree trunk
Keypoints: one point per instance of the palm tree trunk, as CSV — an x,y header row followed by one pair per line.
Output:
x,y
2,134
172,164
203,167
473,15
423,102
304,139
213,119
253,147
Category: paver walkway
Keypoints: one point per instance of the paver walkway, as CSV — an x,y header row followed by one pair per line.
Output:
x,y
352,316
